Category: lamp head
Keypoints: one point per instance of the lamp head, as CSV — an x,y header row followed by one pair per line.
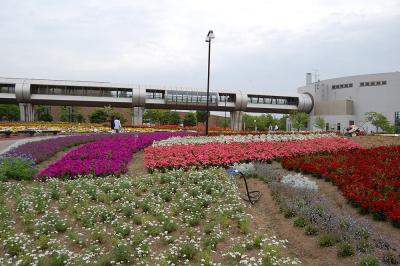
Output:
x,y
210,36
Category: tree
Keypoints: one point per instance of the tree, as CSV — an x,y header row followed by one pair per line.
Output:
x,y
71,114
174,118
9,112
320,122
299,119
281,122
190,119
201,116
98,116
379,121
43,113
153,116
225,122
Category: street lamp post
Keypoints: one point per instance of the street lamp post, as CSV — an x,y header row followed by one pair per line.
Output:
x,y
209,37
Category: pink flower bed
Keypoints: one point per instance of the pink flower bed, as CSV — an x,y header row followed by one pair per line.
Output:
x,y
104,157
219,154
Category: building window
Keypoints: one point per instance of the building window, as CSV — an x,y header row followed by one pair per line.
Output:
x,y
384,82
338,127
327,126
362,84
350,85
366,83
397,122
372,83
378,83
351,122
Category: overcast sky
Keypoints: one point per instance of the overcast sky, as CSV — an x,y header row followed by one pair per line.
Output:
x,y
260,45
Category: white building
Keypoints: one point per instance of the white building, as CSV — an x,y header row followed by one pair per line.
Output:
x,y
344,101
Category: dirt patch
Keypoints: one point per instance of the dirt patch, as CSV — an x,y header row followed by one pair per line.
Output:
x,y
136,165
375,141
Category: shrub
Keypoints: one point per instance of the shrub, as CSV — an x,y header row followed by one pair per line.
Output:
x,y
369,261
328,240
311,230
17,168
299,222
345,249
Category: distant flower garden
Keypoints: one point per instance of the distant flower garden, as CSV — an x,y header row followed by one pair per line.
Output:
x,y
239,138
220,154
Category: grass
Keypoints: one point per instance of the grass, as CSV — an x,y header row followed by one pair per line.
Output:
x,y
174,217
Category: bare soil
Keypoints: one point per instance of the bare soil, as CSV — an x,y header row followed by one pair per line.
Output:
x,y
136,165
375,141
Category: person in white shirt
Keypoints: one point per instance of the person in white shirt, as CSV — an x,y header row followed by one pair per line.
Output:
x,y
117,125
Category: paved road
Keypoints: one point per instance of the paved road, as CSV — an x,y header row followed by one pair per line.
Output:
x,y
7,144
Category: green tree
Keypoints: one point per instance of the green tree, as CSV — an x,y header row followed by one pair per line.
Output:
x,y
379,121
201,116
71,114
9,112
281,122
43,113
98,116
320,122
299,120
153,116
190,119
174,118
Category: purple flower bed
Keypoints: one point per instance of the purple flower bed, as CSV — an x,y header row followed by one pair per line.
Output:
x,y
40,151
104,157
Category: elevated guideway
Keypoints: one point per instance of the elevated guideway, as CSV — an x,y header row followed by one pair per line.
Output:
x,y
30,92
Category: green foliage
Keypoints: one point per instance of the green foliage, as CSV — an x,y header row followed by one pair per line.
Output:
x,y
153,116
282,122
174,118
201,116
99,116
225,122
190,119
328,240
9,112
320,122
263,122
345,250
379,121
311,230
299,120
299,222
43,113
16,168
369,261
71,114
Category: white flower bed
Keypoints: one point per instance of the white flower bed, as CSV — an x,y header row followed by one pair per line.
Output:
x,y
299,181
240,138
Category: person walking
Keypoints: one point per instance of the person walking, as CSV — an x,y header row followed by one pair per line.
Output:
x,y
117,125
112,124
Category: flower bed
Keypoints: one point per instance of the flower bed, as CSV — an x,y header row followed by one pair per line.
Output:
x,y
39,151
68,128
175,218
239,138
219,154
369,178
108,156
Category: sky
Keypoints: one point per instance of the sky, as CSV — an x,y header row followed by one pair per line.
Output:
x,y
260,45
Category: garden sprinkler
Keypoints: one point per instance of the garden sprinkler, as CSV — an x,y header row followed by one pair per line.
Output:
x,y
252,196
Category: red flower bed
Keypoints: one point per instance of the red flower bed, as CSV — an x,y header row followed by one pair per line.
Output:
x,y
220,154
368,178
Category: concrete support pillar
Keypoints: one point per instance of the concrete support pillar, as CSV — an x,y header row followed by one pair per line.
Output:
x,y
237,120
137,118
27,112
